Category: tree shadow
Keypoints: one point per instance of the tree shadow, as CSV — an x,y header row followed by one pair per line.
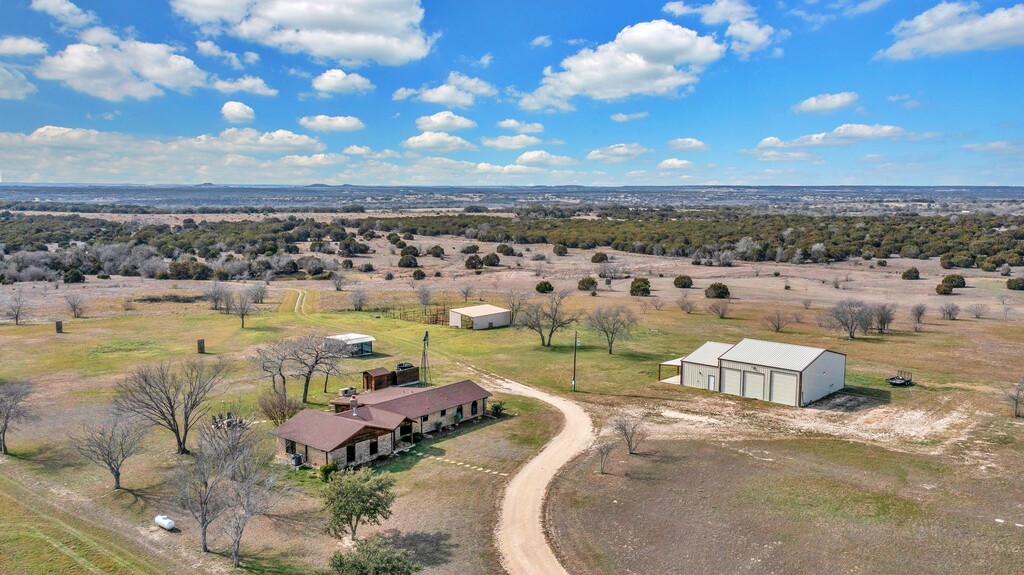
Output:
x,y
430,549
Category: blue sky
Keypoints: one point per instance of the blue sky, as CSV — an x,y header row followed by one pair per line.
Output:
x,y
806,92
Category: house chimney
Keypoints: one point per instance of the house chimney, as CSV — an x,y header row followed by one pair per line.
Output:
x,y
355,404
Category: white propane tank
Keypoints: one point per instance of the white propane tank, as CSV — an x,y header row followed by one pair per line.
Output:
x,y
164,521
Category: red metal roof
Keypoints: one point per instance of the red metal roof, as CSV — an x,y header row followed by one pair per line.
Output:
x,y
433,399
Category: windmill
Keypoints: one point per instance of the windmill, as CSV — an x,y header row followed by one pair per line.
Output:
x,y
424,361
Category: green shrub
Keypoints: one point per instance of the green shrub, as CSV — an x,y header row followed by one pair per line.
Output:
x,y
944,289
491,260
505,250
107,276
408,262
418,274
560,250
1015,283
881,263
411,251
324,472
497,408
470,249
717,290
599,258
912,274
474,262
437,251
954,281
587,284
683,282
366,268
73,277
347,264
545,287
640,287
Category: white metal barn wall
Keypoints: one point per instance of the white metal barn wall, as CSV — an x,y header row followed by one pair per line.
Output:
x,y
825,375
697,375
759,382
498,319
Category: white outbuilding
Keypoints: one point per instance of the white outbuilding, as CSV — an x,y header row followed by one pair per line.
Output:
x,y
350,344
771,371
479,317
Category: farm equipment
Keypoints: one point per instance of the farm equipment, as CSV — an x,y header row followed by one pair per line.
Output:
x,y
902,379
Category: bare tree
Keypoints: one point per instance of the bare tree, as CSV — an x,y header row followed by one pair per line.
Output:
x,y
917,316
272,359
850,316
12,408
613,323
76,304
1015,395
216,293
978,310
719,308
425,294
1002,299
16,306
243,307
467,291
950,311
1006,312
548,317
172,397
514,301
338,279
257,292
686,304
202,486
255,490
604,452
632,429
358,298
807,303
643,303
278,407
775,320
882,316
657,303
111,441
309,356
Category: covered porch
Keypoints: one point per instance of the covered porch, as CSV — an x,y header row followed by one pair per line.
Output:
x,y
673,368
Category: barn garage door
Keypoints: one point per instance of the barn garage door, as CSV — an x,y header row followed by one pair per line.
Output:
x,y
784,388
753,385
732,382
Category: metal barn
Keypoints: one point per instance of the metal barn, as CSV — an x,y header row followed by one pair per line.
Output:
x,y
479,317
770,371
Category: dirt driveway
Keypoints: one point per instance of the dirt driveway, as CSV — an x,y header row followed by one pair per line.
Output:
x,y
520,534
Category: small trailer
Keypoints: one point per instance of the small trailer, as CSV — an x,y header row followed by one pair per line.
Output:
x,y
902,379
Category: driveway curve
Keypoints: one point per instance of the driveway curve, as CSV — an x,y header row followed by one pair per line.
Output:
x,y
520,533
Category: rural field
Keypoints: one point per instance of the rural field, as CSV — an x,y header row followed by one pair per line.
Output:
x,y
855,483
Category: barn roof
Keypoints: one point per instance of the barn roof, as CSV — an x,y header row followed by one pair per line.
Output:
x,y
708,353
480,310
773,354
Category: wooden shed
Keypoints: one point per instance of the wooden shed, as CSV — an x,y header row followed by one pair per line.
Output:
x,y
377,378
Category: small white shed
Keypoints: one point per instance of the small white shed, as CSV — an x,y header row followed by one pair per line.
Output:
x,y
700,368
479,317
351,344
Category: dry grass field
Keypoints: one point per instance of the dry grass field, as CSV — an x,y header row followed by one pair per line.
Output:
x,y
881,474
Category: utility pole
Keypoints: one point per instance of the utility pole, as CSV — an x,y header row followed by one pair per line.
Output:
x,y
575,345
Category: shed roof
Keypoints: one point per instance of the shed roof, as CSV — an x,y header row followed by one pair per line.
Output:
x,y
353,338
480,310
674,362
708,353
377,371
773,354
319,429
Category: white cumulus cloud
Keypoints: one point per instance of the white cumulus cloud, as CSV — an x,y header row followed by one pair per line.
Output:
x,y
437,142
458,91
842,136
314,160
444,122
541,42
827,102
351,32
337,81
650,58
65,12
617,153
541,158
517,142
952,27
324,123
674,164
14,85
521,127
211,49
250,84
620,117
21,46
688,145
747,33
237,112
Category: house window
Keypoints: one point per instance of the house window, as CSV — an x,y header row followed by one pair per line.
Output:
x,y
458,412
443,411
473,409
350,453
373,447
426,418
289,447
